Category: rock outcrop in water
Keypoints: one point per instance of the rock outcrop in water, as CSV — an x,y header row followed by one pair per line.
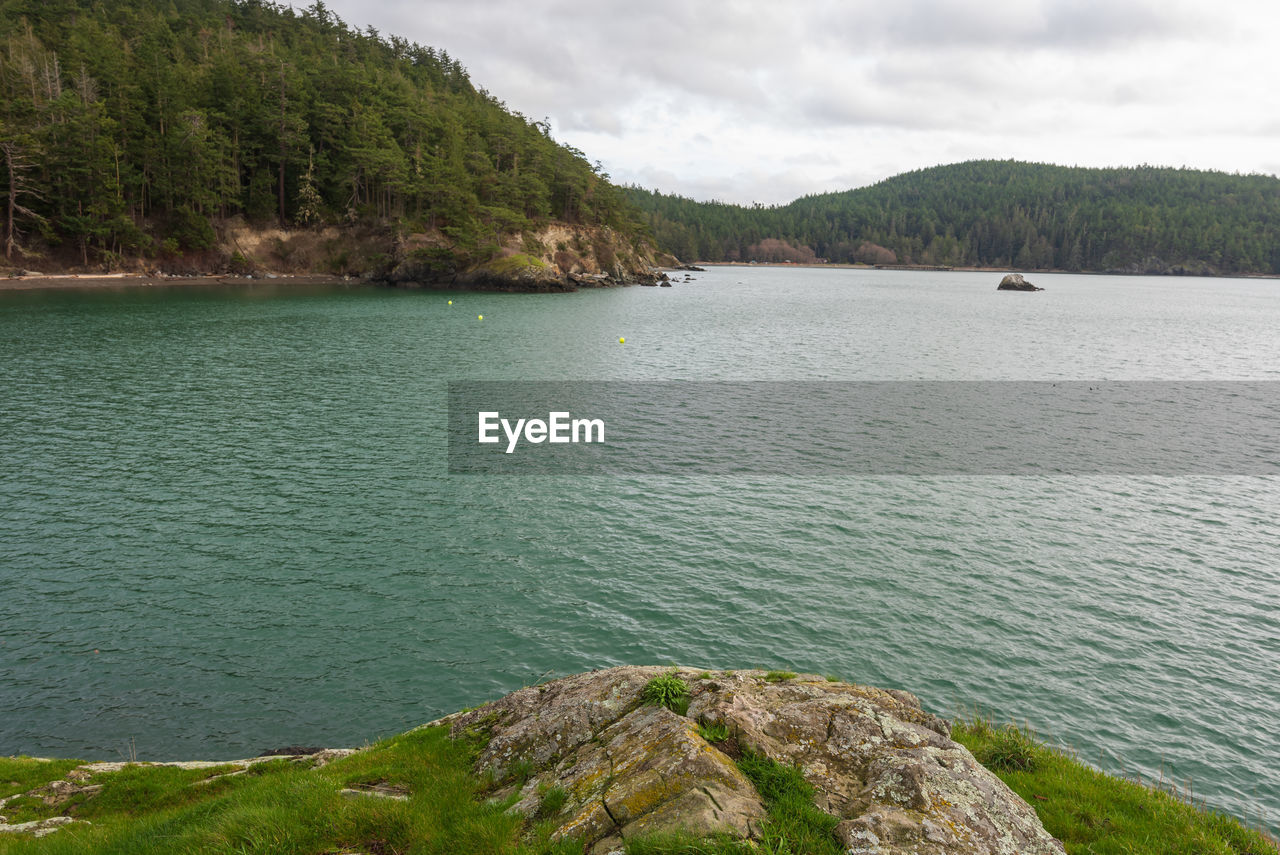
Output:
x,y
1015,282
880,764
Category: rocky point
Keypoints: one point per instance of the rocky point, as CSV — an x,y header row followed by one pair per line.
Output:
x,y
885,768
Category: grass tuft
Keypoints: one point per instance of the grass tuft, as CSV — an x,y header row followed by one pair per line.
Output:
x,y
1010,748
667,690
795,826
552,800
779,676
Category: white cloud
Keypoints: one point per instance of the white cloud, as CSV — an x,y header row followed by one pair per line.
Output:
x,y
752,100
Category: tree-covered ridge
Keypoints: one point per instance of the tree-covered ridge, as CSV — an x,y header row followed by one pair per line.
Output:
x,y
128,126
999,214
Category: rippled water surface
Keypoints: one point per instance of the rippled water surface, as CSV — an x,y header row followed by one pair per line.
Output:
x,y
226,521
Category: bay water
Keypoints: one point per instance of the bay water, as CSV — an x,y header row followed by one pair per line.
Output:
x,y
228,524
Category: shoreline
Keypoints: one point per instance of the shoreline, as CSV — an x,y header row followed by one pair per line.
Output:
x,y
101,281
120,281
107,281
934,268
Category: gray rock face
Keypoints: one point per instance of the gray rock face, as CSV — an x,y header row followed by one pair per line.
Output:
x,y
887,769
1015,282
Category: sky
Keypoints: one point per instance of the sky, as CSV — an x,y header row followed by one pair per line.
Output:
x,y
765,101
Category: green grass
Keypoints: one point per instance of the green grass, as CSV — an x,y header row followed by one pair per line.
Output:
x,y
712,732
551,800
21,774
667,690
289,809
1009,749
284,808
132,791
519,772
1096,814
795,826
513,264
779,676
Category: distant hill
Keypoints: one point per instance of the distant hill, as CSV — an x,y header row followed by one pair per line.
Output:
x,y
1000,214
133,130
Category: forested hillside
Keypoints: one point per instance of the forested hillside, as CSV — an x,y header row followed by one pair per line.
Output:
x,y
133,130
999,214
129,128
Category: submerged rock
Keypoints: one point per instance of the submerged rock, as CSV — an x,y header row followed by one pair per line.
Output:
x,y
884,767
1015,282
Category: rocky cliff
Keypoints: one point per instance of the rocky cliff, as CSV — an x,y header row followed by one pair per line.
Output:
x,y
557,257
620,767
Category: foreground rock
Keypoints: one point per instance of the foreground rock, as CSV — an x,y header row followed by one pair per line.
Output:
x,y
887,769
1015,282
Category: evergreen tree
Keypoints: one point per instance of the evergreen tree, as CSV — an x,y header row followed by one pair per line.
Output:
x,y
134,125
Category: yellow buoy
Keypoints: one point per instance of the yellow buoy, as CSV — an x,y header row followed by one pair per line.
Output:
x,y
479,317
450,302
622,341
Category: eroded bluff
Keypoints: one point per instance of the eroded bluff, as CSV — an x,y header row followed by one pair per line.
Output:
x,y
884,767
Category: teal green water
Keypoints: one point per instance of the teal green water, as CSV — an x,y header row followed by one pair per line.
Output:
x,y
226,522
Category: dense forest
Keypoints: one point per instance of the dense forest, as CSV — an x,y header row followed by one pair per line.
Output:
x,y
129,128
999,214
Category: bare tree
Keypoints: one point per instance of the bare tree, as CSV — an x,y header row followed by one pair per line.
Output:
x,y
16,165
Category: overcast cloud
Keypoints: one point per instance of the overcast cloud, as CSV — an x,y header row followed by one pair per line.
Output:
x,y
749,101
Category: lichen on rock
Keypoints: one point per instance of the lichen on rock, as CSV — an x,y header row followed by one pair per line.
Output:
x,y
877,761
